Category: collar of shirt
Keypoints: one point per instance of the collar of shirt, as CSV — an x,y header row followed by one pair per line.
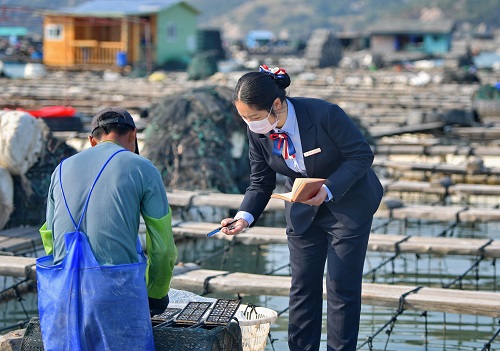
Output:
x,y
110,141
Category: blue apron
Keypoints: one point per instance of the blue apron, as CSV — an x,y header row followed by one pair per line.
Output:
x,y
86,306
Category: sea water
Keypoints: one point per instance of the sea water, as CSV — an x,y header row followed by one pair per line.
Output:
x,y
412,330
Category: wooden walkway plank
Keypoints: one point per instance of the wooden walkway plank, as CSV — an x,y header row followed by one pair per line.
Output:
x,y
447,246
223,282
17,266
433,167
377,242
483,215
437,188
412,186
439,213
435,150
425,299
479,303
15,245
191,279
20,240
475,189
407,129
213,199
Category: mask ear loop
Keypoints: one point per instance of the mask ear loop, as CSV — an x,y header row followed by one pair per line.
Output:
x,y
272,111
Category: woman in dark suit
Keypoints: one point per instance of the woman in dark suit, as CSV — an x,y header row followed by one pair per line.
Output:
x,y
304,137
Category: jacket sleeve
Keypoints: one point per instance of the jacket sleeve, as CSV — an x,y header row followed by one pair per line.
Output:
x,y
355,151
162,254
262,181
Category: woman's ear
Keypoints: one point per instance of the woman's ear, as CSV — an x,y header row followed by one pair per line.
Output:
x,y
276,104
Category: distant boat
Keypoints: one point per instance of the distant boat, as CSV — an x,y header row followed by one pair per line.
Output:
x,y
487,60
58,118
51,111
16,69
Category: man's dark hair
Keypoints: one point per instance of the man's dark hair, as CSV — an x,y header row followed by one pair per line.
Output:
x,y
118,128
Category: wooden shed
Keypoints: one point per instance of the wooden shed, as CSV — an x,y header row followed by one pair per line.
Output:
x,y
411,36
106,33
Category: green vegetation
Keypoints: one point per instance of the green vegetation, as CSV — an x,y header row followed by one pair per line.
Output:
x,y
300,17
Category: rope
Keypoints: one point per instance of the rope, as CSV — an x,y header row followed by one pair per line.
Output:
x,y
494,264
19,325
390,259
20,299
474,265
452,226
206,282
383,225
186,208
391,322
487,346
277,269
178,224
424,314
15,285
226,248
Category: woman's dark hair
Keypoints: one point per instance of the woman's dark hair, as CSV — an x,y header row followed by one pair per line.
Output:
x,y
260,89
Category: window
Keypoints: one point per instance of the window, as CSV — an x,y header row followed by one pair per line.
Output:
x,y
171,32
54,31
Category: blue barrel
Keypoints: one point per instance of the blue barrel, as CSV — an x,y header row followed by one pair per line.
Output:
x,y
121,59
36,56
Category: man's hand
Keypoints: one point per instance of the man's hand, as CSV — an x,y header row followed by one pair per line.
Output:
x,y
158,306
234,228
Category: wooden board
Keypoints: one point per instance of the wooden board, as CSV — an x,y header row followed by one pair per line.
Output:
x,y
433,167
17,266
426,212
20,240
425,299
378,242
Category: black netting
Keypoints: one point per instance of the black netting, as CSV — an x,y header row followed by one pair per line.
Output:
x,y
221,338
32,339
29,209
189,141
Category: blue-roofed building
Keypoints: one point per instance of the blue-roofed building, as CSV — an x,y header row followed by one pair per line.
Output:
x,y
104,33
411,36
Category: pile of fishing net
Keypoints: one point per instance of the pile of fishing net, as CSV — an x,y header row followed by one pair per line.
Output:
x,y
30,204
28,156
198,142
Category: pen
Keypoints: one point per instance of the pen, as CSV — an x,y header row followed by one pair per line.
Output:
x,y
218,229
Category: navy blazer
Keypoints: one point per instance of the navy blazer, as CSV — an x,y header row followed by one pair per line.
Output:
x,y
344,161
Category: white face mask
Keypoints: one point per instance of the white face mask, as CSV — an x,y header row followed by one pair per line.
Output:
x,y
262,126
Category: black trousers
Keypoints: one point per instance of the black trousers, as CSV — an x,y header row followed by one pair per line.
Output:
x,y
327,240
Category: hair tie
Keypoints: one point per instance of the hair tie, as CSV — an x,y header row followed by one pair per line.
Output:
x,y
276,72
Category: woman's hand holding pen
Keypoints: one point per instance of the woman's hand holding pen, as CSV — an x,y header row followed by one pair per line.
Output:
x,y
234,228
318,199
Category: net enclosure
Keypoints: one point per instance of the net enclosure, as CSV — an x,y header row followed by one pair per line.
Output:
x,y
198,142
